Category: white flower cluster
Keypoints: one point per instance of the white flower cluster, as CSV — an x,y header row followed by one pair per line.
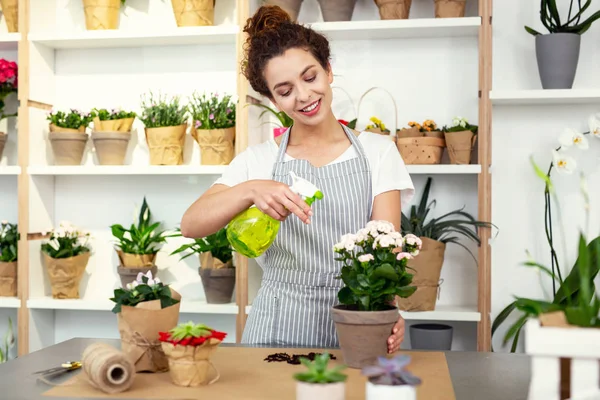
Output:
x,y
570,138
138,280
65,230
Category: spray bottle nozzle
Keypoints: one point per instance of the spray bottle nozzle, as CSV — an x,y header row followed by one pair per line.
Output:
x,y
305,189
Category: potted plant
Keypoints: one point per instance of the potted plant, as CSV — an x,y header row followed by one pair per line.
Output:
x,y
557,52
389,380
214,127
145,307
111,134
337,10
102,14
319,382
460,139
137,246
433,235
67,135
66,254
450,8
216,265
377,126
165,120
393,9
421,143
194,12
284,120
188,348
292,7
10,10
374,271
9,241
9,81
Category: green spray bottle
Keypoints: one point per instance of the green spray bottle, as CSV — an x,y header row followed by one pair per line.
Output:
x,y
252,232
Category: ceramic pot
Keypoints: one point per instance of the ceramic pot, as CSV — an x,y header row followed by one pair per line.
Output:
x,y
111,147
314,391
218,284
557,58
388,392
431,337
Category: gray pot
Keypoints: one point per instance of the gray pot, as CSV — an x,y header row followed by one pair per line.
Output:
x,y
218,284
557,58
431,337
337,10
129,275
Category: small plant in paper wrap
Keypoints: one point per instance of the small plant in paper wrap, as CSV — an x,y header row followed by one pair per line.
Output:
x,y
72,120
188,347
144,308
113,120
9,240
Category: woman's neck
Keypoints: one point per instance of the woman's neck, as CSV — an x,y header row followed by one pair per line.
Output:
x,y
328,131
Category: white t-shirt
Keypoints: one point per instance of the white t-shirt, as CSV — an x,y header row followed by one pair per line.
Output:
x,y
388,171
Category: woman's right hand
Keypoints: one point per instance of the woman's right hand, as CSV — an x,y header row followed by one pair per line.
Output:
x,y
277,200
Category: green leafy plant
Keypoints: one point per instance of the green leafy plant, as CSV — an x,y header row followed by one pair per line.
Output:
x,y
162,110
66,241
391,372
212,112
373,271
551,20
9,240
72,119
9,342
217,244
143,238
447,228
104,114
460,124
144,288
318,372
284,120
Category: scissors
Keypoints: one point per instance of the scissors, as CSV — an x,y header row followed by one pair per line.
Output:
x,y
65,367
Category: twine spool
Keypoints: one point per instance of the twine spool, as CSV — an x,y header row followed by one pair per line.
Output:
x,y
107,368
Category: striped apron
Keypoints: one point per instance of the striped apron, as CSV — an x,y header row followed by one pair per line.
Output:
x,y
299,284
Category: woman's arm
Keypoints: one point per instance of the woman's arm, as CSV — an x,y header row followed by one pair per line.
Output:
x,y
387,207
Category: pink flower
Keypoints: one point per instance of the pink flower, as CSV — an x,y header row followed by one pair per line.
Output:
x,y
402,256
228,111
198,124
211,116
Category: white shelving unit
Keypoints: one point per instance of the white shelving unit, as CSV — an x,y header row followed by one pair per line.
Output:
x,y
10,170
63,170
545,97
9,41
10,302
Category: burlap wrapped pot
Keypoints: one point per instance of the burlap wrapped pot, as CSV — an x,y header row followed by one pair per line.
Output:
x,y
3,138
129,260
190,365
166,144
194,12
111,147
421,150
216,145
394,9
8,279
10,10
101,14
450,8
292,7
65,274
460,145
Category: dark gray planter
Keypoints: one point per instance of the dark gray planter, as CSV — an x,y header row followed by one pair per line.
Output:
x,y
337,10
557,58
218,284
129,275
431,337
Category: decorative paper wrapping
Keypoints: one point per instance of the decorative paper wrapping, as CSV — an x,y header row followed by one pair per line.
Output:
x,y
166,144
111,147
208,261
434,134
190,365
394,9
194,12
68,147
8,279
65,274
409,132
421,150
460,144
54,128
136,260
101,14
3,138
216,145
378,131
426,267
337,10
450,8
139,327
292,7
113,125
10,10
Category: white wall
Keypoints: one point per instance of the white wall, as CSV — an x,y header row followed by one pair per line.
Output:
x,y
520,132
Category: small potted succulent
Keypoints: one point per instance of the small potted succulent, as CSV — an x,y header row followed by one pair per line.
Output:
x,y
66,255
188,348
8,84
9,240
460,139
165,121
319,382
111,134
145,307
102,14
67,135
216,265
214,127
137,246
389,379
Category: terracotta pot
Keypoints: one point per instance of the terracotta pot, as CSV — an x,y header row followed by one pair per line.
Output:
x,y
68,146
194,12
111,147
394,9
8,279
3,139
450,8
389,392
129,275
101,14
314,391
65,274
363,335
218,284
292,7
337,10
166,144
10,10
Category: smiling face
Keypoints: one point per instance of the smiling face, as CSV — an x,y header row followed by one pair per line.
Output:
x,y
300,86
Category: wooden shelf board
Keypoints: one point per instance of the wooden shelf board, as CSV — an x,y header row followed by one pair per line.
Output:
x,y
126,169
545,97
10,170
10,302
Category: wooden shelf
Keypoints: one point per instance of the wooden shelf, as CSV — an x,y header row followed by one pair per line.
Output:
x,y
400,28
9,41
10,170
126,169
10,302
220,34
444,169
545,97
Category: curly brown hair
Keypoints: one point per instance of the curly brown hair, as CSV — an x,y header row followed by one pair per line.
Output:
x,y
271,32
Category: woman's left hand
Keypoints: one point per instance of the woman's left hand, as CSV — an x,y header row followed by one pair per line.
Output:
x,y
397,336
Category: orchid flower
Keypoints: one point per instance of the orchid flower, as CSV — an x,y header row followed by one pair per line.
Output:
x,y
571,137
594,125
563,163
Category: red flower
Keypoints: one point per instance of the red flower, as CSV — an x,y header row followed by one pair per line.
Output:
x,y
191,341
342,121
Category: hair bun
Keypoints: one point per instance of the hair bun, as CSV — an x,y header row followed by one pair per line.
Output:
x,y
265,19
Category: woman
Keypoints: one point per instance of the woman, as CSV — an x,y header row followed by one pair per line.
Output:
x,y
361,175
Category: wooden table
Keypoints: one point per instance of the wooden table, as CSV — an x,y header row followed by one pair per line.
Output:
x,y
475,375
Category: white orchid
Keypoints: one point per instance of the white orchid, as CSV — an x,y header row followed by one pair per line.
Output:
x,y
366,258
563,163
571,137
594,125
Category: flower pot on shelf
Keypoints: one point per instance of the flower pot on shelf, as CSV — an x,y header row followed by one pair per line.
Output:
x,y
390,392
431,337
421,150
313,391
218,278
3,138
65,274
408,132
216,145
8,279
460,145
68,145
113,125
101,14
111,147
434,134
194,12
292,7
557,57
337,10
10,10
166,144
393,9
129,260
128,274
450,8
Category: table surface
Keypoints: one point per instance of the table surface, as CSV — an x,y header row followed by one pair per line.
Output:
x,y
475,375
